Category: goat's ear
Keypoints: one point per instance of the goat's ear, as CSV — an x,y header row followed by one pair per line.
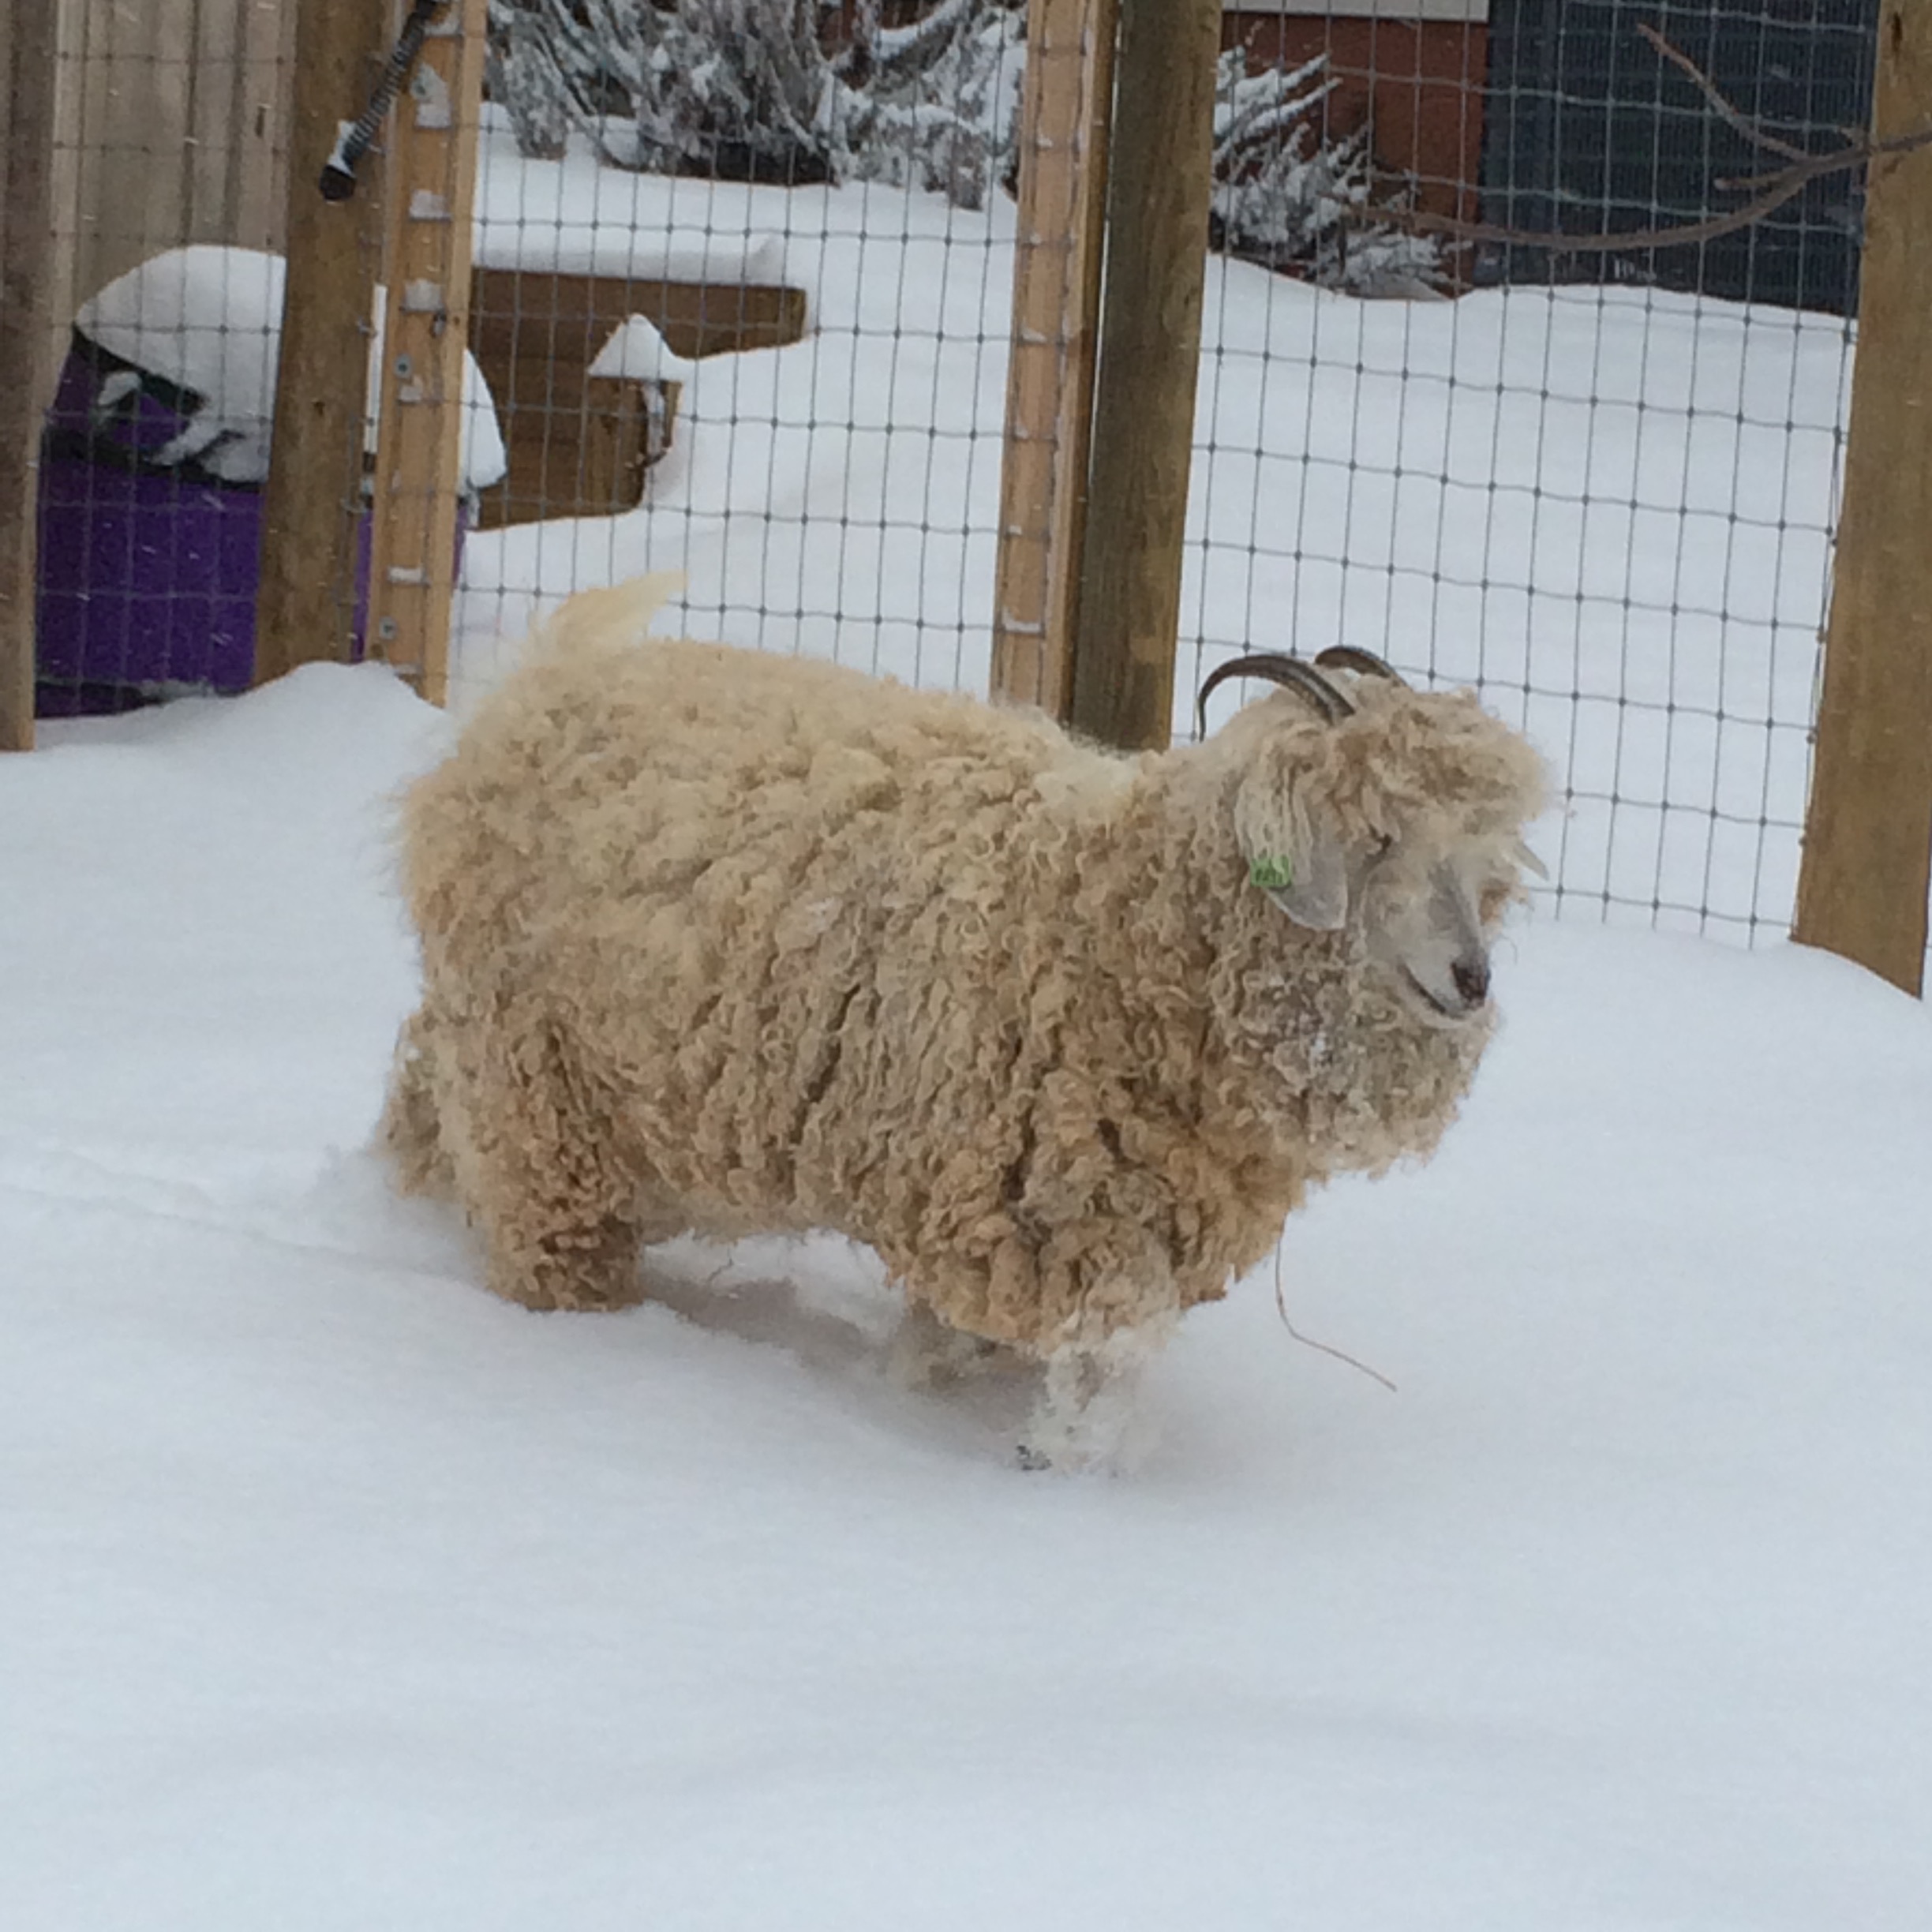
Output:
x,y
1295,855
1315,892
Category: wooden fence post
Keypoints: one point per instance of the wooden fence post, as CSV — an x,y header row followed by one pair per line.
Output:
x,y
1160,183
426,253
1063,152
305,599
1862,885
28,46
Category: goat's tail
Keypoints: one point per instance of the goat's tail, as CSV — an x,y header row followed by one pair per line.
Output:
x,y
608,618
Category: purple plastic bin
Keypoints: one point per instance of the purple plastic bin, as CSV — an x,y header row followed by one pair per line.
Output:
x,y
148,573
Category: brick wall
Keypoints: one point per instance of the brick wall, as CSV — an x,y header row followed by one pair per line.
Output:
x,y
1416,83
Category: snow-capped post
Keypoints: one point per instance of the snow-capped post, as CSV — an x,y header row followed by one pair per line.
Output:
x,y
1160,179
1863,884
431,193
305,597
27,69
1062,158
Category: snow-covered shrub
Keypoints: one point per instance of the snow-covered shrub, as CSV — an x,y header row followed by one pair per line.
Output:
x,y
937,102
744,89
526,78
1281,197
733,88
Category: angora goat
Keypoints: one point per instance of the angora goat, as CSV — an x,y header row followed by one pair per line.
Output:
x,y
727,943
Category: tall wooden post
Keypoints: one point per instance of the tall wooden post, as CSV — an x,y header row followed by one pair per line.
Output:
x,y
1063,151
27,84
426,253
1159,182
1863,886
304,600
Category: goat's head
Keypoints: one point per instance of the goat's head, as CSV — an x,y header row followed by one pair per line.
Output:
x,y
1398,814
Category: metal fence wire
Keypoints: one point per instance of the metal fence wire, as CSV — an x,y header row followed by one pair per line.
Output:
x,y
743,304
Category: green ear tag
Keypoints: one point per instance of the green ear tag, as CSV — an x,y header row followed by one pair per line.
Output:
x,y
1271,872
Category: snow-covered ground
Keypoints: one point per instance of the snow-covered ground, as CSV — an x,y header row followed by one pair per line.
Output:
x,y
335,1594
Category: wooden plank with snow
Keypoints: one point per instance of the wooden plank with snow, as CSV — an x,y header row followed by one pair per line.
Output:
x,y
432,167
529,315
586,370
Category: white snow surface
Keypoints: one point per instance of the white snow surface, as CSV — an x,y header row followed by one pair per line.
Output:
x,y
335,1594
634,350
579,216
209,318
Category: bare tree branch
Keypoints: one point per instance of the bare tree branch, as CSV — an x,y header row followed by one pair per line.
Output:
x,y
1724,109
1772,190
1419,221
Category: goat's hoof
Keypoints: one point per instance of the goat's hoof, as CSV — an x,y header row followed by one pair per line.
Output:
x,y
1028,1458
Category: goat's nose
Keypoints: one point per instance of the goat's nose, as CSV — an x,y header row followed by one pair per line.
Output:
x,y
1472,979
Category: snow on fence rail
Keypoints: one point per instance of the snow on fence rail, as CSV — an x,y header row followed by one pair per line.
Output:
x,y
1603,487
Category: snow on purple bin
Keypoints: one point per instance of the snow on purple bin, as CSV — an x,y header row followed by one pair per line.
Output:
x,y
155,450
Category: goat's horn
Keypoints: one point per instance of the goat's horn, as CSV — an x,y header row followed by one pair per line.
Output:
x,y
1353,657
1290,672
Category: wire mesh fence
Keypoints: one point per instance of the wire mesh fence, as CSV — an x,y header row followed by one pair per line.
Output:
x,y
743,304
794,394
1599,488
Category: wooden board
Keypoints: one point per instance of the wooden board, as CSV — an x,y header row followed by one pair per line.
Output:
x,y
1063,158
27,260
178,126
533,315
429,199
1863,886
579,446
1159,180
305,597
586,455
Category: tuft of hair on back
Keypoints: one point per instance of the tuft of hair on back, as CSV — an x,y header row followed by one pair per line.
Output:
x,y
608,619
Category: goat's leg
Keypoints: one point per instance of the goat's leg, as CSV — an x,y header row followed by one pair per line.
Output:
x,y
411,1132
1116,1287
538,1165
1088,1405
